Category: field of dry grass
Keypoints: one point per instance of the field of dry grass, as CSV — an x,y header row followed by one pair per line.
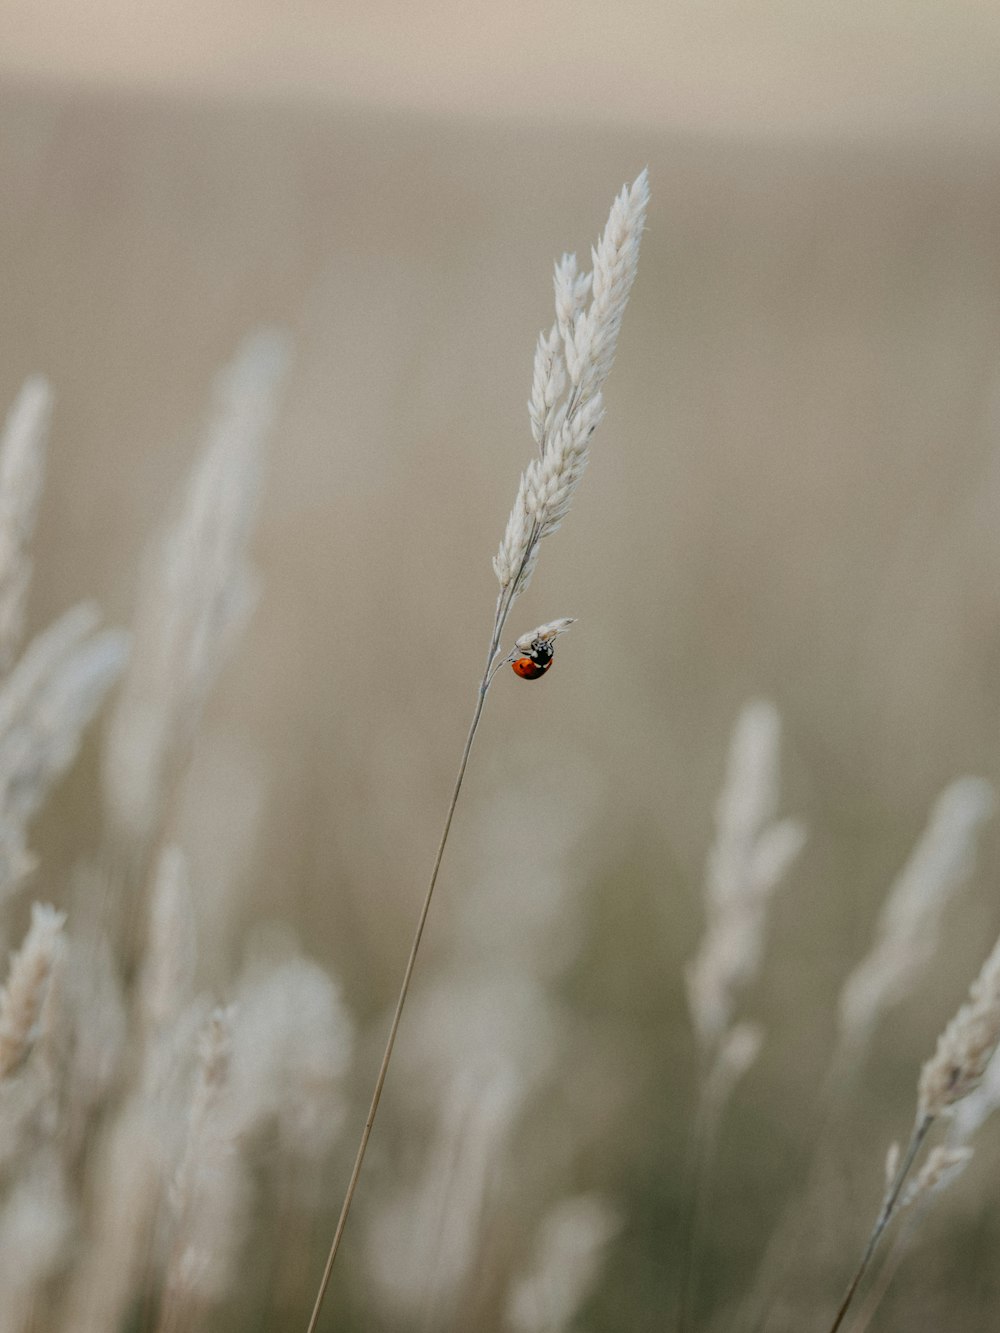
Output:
x,y
794,497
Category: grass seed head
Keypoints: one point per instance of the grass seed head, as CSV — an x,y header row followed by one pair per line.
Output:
x,y
965,1047
572,361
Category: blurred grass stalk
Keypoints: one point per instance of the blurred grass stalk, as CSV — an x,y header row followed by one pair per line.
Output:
x,y
130,1104
952,1074
750,856
907,934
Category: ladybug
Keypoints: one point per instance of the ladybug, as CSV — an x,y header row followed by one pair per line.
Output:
x,y
536,662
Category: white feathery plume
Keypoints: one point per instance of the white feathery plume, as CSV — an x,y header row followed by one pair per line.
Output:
x,y
214,1057
95,1008
572,289
146,1141
972,1111
35,1226
965,1047
909,924
170,1018
422,1245
944,1165
198,591
292,1044
569,1251
128,1172
22,466
33,1041
907,934
580,348
23,997
33,1100
209,1189
750,855
547,385
169,967
269,1063
737,1053
520,917
21,1099
207,1262
615,260
491,1015
487,1039
953,1072
45,704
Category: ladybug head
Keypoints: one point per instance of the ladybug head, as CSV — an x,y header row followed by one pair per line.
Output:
x,y
541,650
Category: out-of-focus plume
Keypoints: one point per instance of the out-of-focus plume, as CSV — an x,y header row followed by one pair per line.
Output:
x,y
22,999
966,1046
750,855
22,468
45,704
196,594
909,924
423,1245
35,1225
569,1253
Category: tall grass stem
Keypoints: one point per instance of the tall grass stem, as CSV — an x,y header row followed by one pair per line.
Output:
x,y
503,607
562,431
885,1216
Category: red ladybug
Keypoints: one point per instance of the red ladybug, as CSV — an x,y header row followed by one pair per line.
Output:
x,y
537,661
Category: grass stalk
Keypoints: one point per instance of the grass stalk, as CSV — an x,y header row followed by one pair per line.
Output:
x,y
877,1291
701,1154
571,364
884,1217
503,609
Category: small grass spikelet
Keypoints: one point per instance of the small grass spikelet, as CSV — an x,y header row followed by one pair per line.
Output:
x,y
546,633
569,1251
749,857
198,590
23,997
909,924
953,1072
944,1164
22,465
965,1047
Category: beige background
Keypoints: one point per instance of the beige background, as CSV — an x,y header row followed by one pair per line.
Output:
x,y
795,494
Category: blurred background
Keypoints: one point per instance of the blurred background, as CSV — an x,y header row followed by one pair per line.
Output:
x,y
794,496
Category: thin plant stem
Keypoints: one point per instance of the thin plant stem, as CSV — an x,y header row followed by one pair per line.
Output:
x,y
886,1274
543,499
781,1254
702,1145
888,1207
503,609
